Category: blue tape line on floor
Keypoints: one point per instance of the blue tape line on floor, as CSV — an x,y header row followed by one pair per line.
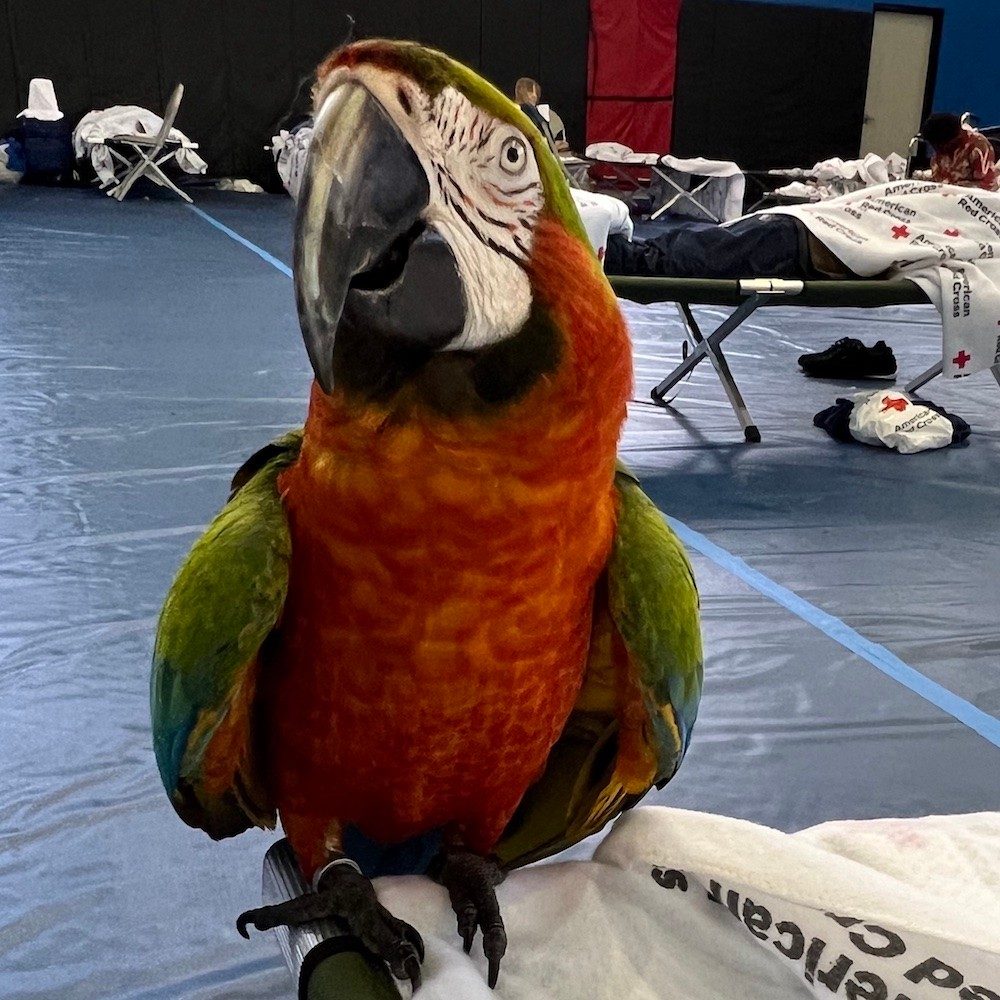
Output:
x,y
878,656
233,235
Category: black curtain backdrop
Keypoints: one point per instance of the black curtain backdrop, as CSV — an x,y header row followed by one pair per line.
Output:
x,y
241,60
769,85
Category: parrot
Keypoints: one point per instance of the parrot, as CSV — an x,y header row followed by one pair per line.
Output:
x,y
440,628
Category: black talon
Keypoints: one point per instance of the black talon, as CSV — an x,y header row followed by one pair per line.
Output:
x,y
494,947
470,881
411,935
411,970
348,898
467,926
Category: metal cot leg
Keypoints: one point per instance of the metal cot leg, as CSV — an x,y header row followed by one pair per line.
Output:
x,y
710,347
924,377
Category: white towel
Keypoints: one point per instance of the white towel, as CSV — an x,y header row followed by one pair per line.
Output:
x,y
945,238
680,905
615,152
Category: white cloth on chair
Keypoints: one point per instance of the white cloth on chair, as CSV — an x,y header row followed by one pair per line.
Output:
x,y
723,195
944,238
681,905
97,127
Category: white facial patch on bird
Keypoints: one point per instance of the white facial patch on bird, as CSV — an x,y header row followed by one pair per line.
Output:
x,y
486,195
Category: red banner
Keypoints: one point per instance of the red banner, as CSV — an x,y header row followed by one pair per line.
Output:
x,y
630,75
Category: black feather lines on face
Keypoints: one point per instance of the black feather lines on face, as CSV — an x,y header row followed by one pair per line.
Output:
x,y
472,143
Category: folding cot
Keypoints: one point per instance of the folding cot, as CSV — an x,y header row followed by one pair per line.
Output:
x,y
635,172
747,296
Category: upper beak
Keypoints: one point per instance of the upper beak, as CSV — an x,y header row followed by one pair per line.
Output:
x,y
362,255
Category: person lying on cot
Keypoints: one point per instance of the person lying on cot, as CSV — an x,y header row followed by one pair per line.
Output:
x,y
776,246
962,155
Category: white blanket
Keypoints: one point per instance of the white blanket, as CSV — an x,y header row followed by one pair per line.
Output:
x,y
945,238
95,128
681,905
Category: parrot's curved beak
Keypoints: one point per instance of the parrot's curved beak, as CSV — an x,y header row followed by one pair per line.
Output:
x,y
364,259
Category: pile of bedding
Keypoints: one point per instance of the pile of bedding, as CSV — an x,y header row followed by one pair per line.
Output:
x,y
835,177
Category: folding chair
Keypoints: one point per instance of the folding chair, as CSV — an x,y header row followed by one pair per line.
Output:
x,y
149,153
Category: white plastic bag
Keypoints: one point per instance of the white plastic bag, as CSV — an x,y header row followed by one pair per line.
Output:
x,y
894,420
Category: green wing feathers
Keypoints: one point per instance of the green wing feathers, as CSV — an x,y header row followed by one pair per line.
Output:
x,y
633,719
654,603
223,604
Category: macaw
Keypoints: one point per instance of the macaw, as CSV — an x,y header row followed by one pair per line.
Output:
x,y
440,614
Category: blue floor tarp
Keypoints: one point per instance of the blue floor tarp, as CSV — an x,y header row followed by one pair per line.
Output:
x,y
144,353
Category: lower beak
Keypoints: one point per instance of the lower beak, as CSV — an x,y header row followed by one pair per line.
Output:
x,y
363,256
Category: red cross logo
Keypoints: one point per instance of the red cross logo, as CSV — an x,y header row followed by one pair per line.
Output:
x,y
898,232
961,359
952,232
893,404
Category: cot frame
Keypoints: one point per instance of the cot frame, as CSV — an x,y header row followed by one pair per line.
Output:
x,y
747,296
683,193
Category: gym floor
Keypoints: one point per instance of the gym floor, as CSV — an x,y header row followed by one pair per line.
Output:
x,y
849,595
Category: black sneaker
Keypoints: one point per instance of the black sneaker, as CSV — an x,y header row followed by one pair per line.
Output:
x,y
850,359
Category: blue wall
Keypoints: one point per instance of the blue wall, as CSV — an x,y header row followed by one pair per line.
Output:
x,y
968,76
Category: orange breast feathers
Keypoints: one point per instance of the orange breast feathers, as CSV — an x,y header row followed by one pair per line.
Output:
x,y
438,618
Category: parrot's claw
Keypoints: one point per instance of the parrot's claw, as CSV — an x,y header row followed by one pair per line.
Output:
x,y
471,881
348,898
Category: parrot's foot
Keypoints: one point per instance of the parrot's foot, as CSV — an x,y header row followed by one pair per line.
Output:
x,y
470,881
345,896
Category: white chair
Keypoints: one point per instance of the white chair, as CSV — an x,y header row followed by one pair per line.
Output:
x,y
149,153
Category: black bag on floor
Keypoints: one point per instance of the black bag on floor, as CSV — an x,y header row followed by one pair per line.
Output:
x,y
48,150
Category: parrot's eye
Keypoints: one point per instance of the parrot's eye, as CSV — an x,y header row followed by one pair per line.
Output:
x,y
513,155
